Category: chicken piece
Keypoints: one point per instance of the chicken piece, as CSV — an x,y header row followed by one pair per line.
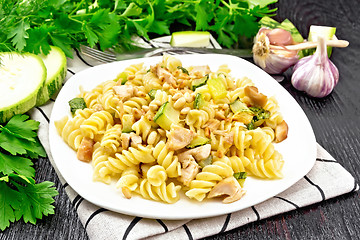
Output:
x,y
256,98
281,132
125,92
200,71
228,186
165,75
212,124
135,139
229,138
189,170
179,137
137,113
199,153
85,150
98,107
125,140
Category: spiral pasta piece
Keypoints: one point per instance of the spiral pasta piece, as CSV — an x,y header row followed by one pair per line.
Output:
x,y
151,81
198,118
156,175
275,116
270,169
129,158
99,158
241,139
262,144
170,62
111,138
90,98
207,179
204,91
133,69
97,122
135,102
110,101
238,164
166,158
143,128
266,162
69,128
168,193
129,178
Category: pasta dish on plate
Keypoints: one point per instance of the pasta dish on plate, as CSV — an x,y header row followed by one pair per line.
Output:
x,y
161,129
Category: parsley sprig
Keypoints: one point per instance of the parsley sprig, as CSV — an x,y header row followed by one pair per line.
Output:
x,y
20,195
34,25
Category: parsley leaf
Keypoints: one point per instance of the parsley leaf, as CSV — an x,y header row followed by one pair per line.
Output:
x,y
38,41
17,164
19,127
77,103
36,199
261,3
18,136
33,26
20,196
19,34
9,200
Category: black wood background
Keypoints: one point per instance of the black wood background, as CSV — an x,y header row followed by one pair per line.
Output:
x,y
335,120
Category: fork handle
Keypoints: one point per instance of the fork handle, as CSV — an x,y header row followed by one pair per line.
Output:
x,y
149,52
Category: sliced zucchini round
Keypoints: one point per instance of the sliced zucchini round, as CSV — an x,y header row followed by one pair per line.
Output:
x,y
190,39
55,63
21,78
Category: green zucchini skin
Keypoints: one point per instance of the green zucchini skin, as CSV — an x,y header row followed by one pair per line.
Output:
x,y
53,85
28,102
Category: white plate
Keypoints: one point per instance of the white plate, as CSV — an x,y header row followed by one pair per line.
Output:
x,y
298,150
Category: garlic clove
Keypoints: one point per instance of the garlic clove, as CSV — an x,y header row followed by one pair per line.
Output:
x,y
273,61
316,74
280,37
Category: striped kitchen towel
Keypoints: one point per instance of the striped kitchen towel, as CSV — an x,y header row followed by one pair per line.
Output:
x,y
327,179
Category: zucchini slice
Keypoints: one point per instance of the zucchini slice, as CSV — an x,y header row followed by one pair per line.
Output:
x,y
198,141
127,121
217,88
207,161
166,115
199,101
21,78
199,82
238,106
122,77
241,112
152,93
55,63
190,39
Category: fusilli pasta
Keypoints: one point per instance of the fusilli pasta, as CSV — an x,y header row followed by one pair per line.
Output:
x,y
160,129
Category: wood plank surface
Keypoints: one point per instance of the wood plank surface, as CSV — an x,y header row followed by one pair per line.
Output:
x,y
336,123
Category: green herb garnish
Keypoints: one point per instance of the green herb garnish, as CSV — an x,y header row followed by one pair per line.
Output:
x,y
240,175
259,114
76,103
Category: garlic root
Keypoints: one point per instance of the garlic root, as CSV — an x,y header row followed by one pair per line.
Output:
x,y
307,45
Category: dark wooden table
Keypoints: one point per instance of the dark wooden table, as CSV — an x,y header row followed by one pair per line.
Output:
x,y
335,120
